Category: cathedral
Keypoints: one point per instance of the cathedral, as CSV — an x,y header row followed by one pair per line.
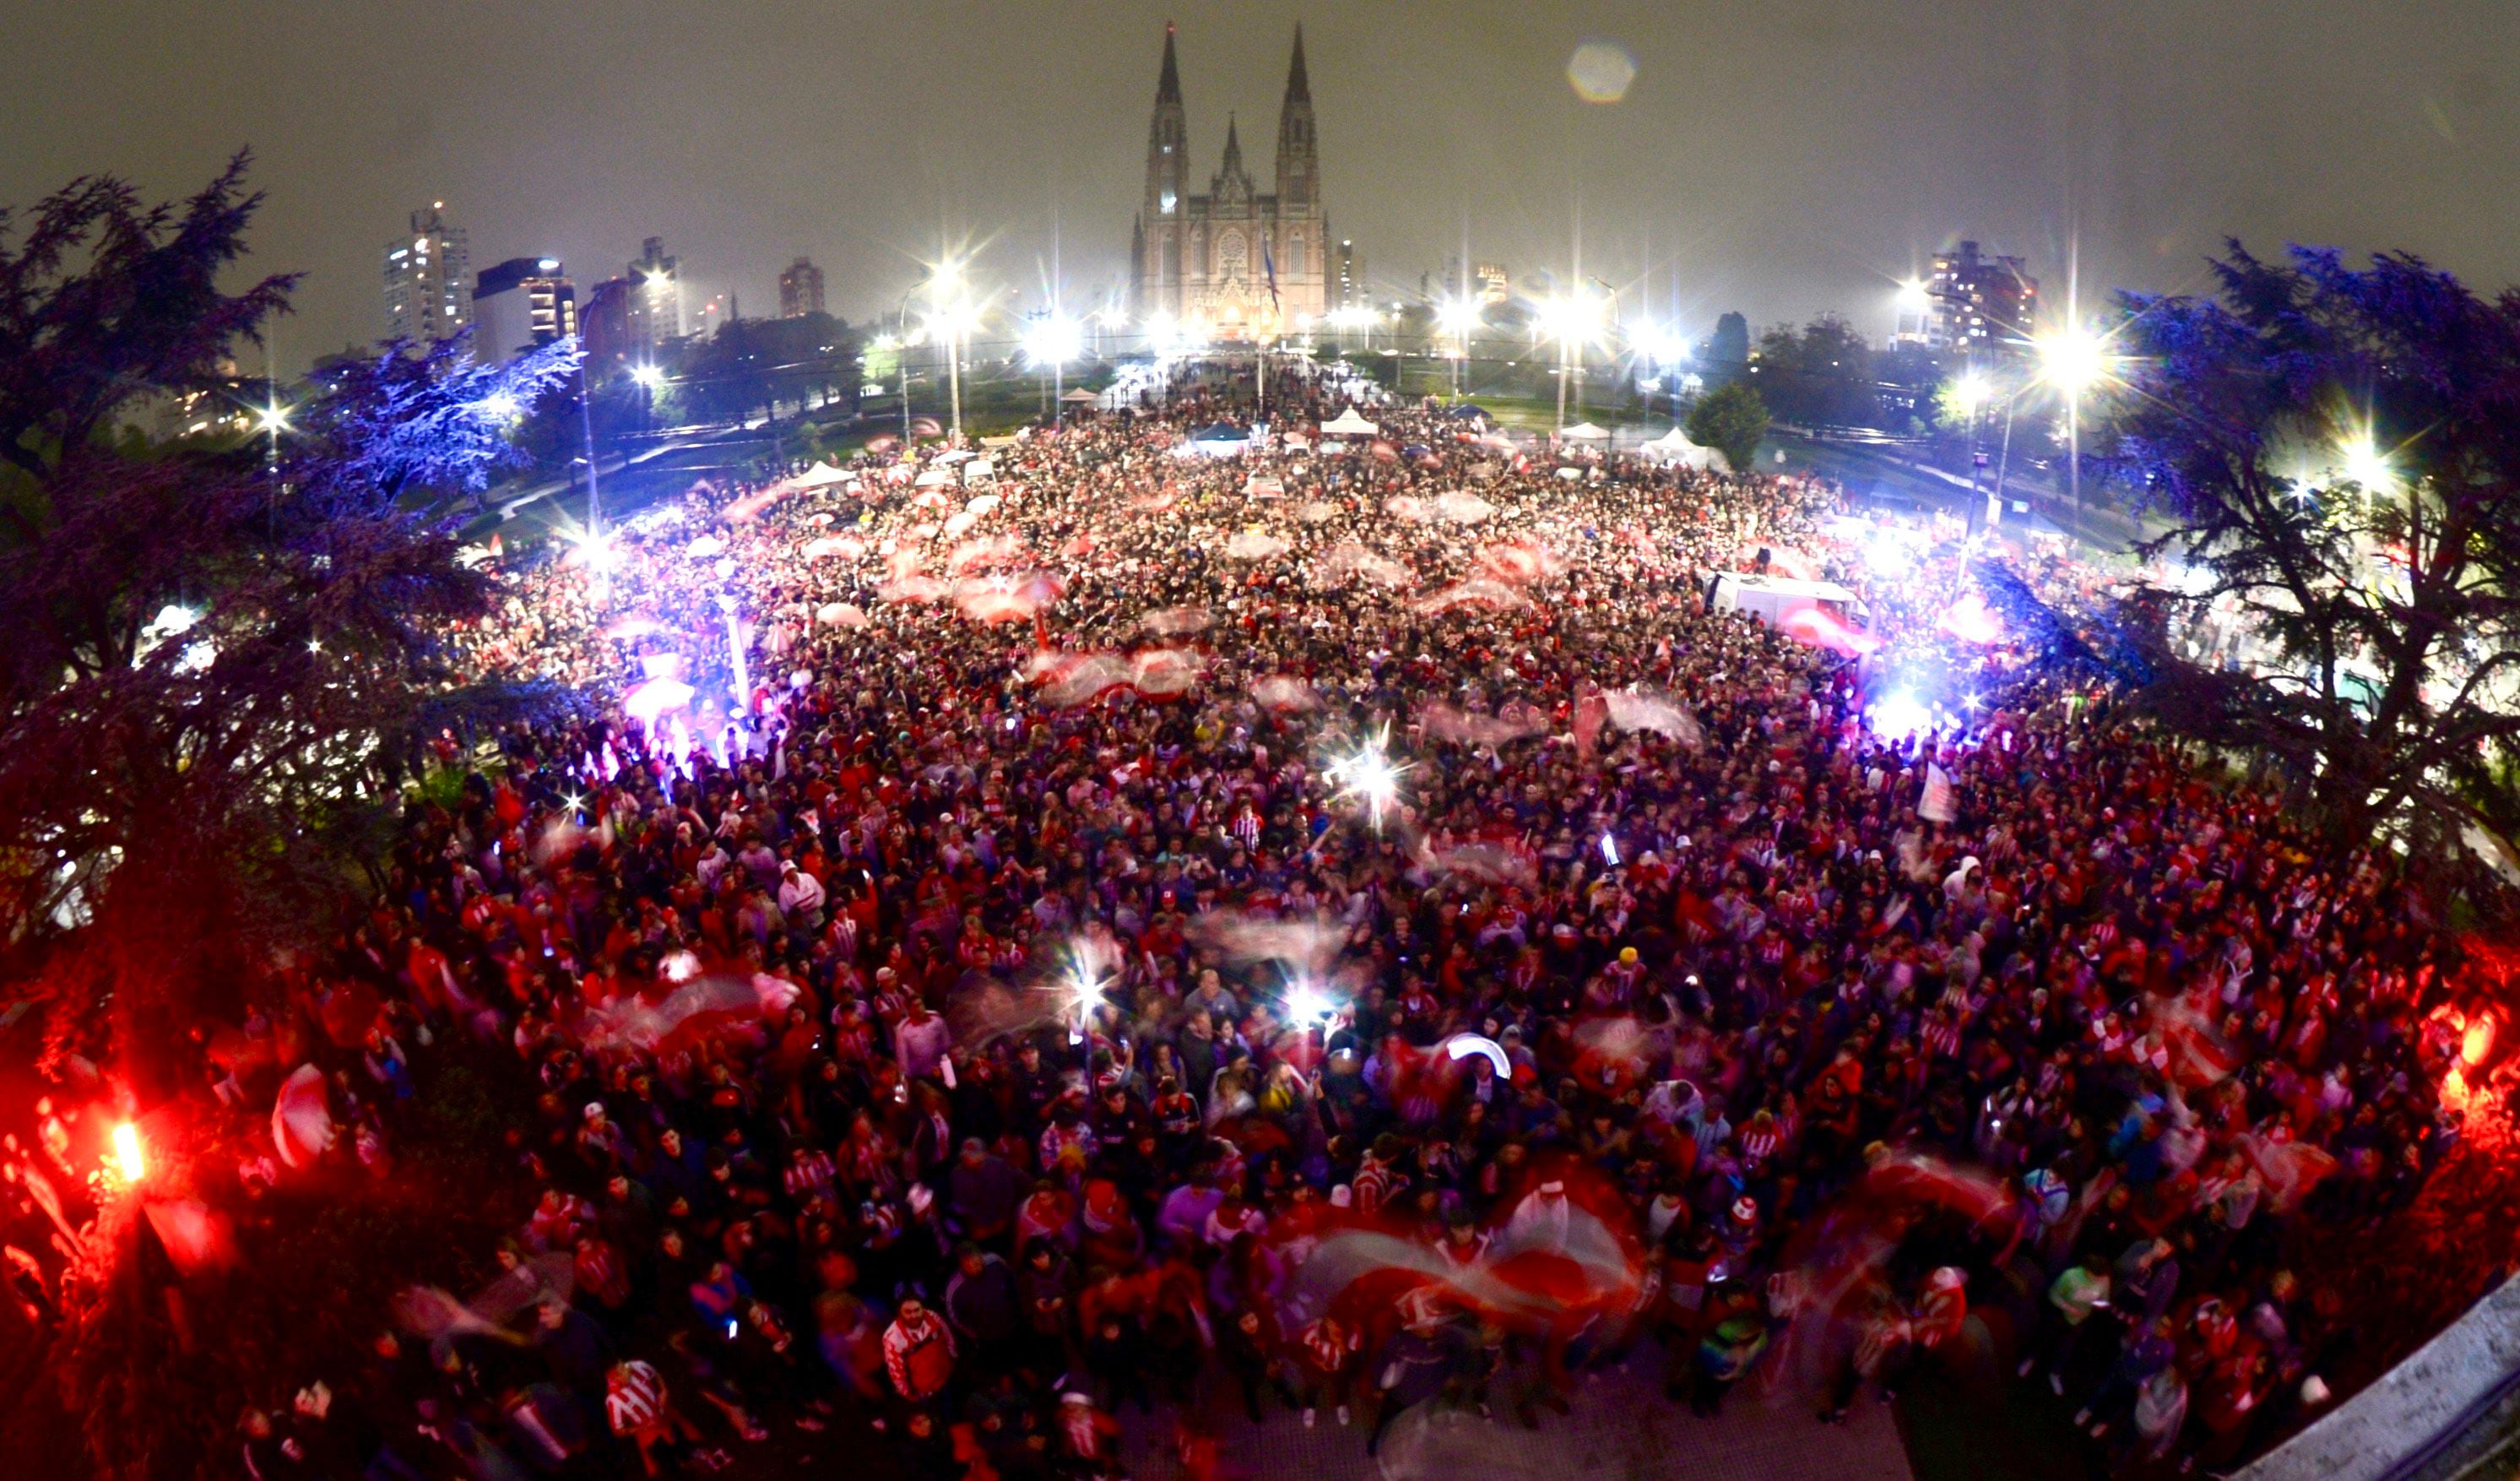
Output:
x,y
1240,265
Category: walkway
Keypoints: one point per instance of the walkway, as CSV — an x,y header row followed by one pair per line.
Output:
x,y
1622,1429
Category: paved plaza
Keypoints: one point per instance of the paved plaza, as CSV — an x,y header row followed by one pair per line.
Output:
x,y
1621,1428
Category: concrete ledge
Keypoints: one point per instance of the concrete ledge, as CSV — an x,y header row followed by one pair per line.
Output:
x,y
2393,1427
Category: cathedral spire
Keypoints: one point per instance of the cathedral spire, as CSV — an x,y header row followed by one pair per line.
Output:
x,y
1233,149
1168,86
1298,158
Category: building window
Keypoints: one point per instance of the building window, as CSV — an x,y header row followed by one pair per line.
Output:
x,y
1165,203
1295,253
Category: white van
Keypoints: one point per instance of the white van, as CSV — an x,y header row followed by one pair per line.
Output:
x,y
1773,599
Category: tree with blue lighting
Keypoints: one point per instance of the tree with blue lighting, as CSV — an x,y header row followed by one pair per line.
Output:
x,y
218,648
2337,450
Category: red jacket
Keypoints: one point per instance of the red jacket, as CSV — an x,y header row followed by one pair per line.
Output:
x,y
920,1357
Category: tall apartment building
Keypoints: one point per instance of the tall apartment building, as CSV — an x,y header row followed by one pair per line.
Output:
x,y
521,303
1348,276
1491,282
1980,302
800,289
657,309
429,279
611,334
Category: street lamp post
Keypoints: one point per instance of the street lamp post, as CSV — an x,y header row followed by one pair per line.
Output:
x,y
1458,318
273,419
954,374
586,429
901,353
2073,359
1567,316
1049,345
1969,393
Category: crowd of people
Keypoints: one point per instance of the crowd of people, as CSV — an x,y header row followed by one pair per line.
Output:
x,y
1337,930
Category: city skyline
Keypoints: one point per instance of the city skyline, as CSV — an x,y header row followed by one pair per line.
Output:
x,y
1748,165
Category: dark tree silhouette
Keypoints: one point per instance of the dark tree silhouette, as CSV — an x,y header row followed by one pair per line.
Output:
x,y
2339,452
209,662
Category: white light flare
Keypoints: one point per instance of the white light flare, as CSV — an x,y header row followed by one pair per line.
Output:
x,y
1370,777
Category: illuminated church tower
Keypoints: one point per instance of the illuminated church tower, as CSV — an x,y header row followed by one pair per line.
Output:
x,y
1239,264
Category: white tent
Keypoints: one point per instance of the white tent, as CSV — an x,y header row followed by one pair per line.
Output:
x,y
1080,397
1349,425
1674,446
980,471
933,477
822,476
1585,432
951,455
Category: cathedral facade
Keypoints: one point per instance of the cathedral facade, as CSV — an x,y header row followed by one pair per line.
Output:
x,y
1240,265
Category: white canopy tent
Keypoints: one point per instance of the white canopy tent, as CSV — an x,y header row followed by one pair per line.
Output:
x,y
822,476
1674,446
1349,425
1585,432
1080,397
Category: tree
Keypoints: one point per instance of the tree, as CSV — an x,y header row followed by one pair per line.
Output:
x,y
2339,450
210,666
1731,420
1818,375
1727,351
757,364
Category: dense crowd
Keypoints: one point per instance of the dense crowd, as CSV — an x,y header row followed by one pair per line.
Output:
x,y
1340,930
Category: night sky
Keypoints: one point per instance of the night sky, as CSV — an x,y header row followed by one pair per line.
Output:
x,y
1778,157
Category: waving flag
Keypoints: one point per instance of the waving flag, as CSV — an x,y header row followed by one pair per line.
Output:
x,y
1269,268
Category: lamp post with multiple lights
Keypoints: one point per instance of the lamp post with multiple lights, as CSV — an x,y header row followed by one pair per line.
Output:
x,y
952,311
1570,319
2074,360
1049,345
1457,317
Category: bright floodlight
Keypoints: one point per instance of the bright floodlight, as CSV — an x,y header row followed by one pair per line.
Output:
x,y
126,1153
1456,316
1914,296
498,405
649,376
1969,392
2073,359
2360,460
1569,316
273,418
1369,776
1898,716
1307,1003
1665,347
1054,341
595,550
951,320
